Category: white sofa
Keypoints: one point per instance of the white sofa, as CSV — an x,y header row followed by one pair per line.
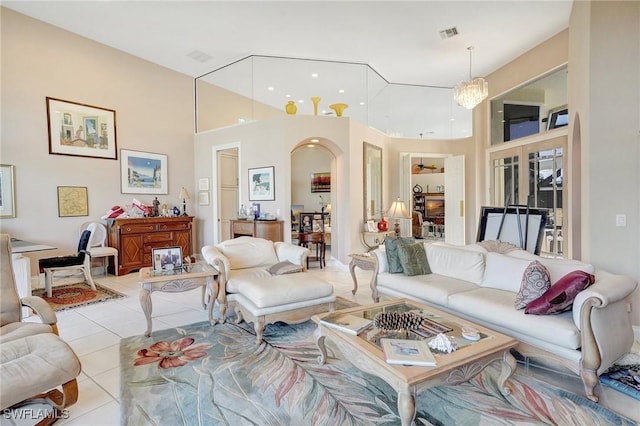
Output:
x,y
482,285
262,293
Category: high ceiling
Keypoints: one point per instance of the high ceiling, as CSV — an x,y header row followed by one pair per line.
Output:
x,y
400,40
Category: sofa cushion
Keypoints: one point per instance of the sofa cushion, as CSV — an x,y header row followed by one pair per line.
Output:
x,y
491,306
413,259
248,252
560,296
535,282
284,267
558,268
240,276
391,250
457,263
504,272
431,288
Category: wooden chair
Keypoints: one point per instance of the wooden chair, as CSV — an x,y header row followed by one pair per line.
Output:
x,y
307,239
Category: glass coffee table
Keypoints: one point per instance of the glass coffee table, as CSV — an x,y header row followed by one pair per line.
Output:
x,y
471,357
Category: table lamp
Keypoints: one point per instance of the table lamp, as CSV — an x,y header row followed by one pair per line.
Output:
x,y
397,211
185,196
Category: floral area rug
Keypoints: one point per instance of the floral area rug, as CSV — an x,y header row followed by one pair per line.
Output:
x,y
75,295
204,375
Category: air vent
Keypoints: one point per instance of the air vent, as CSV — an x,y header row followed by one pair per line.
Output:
x,y
199,56
448,33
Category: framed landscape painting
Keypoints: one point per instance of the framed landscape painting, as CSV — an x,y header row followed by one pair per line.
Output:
x,y
143,172
261,184
81,130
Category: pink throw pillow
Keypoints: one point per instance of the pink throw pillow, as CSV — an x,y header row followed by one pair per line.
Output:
x,y
560,296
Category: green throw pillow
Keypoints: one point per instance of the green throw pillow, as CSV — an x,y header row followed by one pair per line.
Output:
x,y
391,248
413,259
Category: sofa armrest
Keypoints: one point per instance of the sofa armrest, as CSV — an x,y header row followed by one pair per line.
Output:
x,y
215,258
607,289
294,254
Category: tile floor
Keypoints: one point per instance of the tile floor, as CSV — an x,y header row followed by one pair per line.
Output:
x,y
95,331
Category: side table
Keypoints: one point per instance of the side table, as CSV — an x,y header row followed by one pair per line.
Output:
x,y
366,262
372,240
201,274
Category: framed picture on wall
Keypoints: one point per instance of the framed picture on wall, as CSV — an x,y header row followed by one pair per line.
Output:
x,y
321,182
73,201
81,130
261,184
7,191
143,172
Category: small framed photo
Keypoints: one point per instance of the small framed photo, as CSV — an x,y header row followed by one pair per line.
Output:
x,y
203,184
81,130
371,226
143,172
262,184
73,201
203,198
167,258
7,191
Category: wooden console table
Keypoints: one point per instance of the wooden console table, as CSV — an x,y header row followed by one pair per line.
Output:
x,y
136,237
268,229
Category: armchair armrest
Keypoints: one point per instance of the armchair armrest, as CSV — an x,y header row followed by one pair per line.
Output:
x,y
42,309
294,254
215,258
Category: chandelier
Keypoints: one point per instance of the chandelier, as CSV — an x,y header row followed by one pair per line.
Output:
x,y
470,93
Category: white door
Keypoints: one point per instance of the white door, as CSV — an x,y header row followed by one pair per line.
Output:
x,y
454,221
227,191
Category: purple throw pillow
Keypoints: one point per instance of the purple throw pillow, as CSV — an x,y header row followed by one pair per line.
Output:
x,y
560,296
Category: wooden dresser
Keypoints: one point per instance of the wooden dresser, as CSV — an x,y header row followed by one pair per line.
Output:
x,y
268,229
135,238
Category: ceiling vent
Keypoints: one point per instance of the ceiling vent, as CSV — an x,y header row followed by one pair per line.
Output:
x,y
199,56
448,33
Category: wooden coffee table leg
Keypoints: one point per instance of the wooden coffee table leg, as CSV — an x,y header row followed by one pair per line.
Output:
x,y
319,337
509,365
406,407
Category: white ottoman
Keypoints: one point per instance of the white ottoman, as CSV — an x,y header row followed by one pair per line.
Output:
x,y
290,298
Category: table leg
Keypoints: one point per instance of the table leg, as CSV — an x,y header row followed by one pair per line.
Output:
x,y
212,286
406,407
352,269
319,337
145,303
509,365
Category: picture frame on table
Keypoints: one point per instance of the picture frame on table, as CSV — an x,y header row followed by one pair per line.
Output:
x,y
73,201
81,130
167,258
262,184
7,191
143,172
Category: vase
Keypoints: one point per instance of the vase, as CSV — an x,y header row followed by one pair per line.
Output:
x,y
338,108
291,108
315,100
383,225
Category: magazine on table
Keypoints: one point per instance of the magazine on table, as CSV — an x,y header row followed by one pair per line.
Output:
x,y
348,323
408,352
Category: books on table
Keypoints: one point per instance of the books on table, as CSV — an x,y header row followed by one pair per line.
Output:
x,y
348,323
407,352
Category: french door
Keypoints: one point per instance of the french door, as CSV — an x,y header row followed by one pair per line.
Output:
x,y
533,175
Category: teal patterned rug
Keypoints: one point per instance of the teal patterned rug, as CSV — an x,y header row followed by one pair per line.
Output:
x,y
203,375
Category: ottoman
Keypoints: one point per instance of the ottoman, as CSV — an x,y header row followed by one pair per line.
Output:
x,y
34,366
290,298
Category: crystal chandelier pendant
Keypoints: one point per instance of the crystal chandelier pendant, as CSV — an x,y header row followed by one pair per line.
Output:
x,y
470,93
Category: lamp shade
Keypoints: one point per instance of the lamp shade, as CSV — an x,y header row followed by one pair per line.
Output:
x,y
398,210
184,195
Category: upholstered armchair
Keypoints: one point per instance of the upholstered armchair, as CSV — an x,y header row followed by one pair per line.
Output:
x,y
11,325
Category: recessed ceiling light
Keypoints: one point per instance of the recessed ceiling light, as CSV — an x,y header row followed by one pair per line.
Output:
x,y
341,91
314,75
310,145
452,119
300,101
362,103
287,95
315,140
270,88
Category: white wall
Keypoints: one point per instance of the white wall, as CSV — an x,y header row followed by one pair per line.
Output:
x,y
154,113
